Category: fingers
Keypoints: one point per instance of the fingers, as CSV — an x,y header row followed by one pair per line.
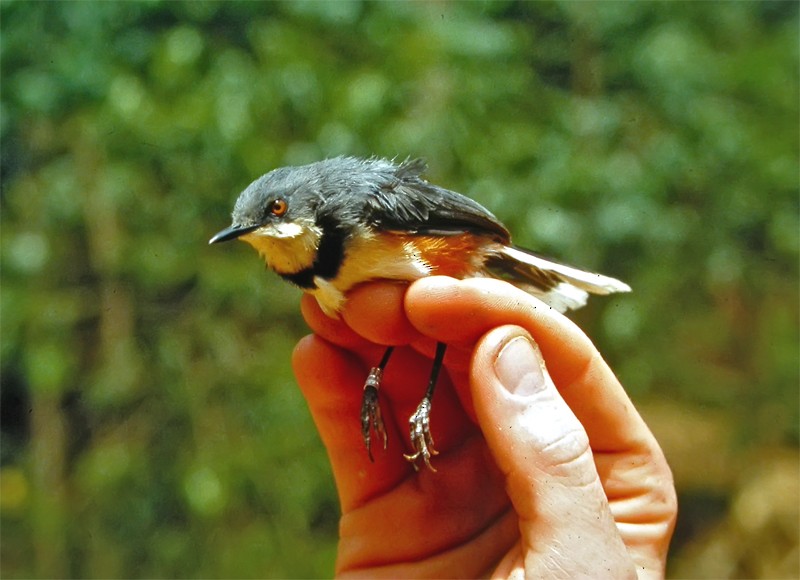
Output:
x,y
372,318
375,311
586,383
530,444
334,330
543,451
329,378
459,312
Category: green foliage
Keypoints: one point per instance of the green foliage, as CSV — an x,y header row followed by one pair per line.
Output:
x,y
151,426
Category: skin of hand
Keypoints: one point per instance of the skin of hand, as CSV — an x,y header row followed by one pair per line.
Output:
x,y
545,468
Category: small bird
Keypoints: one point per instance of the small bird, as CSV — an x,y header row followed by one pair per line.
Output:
x,y
333,224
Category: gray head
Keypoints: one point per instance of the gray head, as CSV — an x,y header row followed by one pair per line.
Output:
x,y
283,199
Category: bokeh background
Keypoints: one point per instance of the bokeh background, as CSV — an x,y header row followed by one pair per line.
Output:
x,y
151,426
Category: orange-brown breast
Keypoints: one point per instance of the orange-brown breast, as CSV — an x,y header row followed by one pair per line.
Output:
x,y
458,255
384,255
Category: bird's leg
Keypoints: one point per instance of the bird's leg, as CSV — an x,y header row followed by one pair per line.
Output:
x,y
419,423
370,408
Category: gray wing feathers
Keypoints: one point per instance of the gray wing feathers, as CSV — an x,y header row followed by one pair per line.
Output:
x,y
408,202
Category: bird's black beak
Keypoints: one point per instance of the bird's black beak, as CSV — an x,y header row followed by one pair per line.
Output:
x,y
232,233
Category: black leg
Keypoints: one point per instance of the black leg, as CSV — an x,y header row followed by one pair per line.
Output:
x,y
419,423
370,408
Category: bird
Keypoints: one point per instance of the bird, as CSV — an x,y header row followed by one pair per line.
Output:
x,y
330,225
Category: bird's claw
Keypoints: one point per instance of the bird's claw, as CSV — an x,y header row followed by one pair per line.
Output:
x,y
371,419
421,438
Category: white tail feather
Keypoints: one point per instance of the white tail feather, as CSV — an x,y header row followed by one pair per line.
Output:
x,y
563,297
536,276
592,283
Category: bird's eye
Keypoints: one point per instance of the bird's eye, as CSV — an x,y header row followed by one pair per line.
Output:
x,y
278,207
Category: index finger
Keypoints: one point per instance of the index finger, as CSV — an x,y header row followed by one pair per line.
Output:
x,y
461,311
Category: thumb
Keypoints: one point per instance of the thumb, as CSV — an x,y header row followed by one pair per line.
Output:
x,y
543,451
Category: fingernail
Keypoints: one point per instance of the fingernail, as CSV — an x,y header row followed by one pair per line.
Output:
x,y
519,368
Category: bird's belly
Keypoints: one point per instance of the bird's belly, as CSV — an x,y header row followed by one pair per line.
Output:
x,y
393,256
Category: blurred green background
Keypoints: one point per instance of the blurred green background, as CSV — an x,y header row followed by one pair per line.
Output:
x,y
150,422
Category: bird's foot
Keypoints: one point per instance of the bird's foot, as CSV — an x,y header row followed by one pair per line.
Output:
x,y
421,438
371,419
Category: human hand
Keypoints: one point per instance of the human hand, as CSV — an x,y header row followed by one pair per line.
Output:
x,y
542,472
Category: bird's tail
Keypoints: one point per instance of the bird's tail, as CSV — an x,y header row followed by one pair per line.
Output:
x,y
562,287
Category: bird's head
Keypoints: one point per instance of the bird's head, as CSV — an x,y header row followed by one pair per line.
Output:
x,y
276,215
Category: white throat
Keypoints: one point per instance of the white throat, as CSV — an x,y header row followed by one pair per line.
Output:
x,y
287,248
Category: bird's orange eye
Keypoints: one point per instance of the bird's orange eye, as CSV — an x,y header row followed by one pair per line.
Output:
x,y
278,207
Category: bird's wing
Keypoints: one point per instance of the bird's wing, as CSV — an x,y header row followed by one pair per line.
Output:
x,y
409,203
